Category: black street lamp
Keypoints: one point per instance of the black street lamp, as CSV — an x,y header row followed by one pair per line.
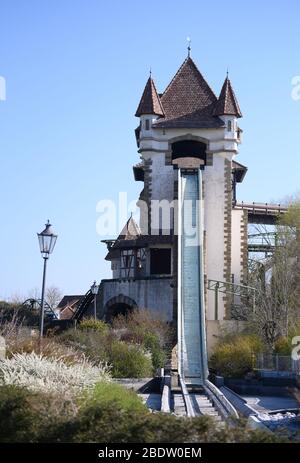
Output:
x,y
94,289
47,240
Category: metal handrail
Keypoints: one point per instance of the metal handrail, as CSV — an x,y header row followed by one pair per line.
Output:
x,y
261,206
220,401
187,399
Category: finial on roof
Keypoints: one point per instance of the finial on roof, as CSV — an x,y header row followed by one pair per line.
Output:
x,y
150,72
227,73
189,46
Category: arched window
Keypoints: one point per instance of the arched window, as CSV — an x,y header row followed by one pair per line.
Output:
x,y
229,126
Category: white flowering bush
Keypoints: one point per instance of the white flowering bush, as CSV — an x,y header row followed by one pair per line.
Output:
x,y
51,375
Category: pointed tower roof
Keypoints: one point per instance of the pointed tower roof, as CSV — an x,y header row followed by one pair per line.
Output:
x,y
188,101
150,102
227,103
130,231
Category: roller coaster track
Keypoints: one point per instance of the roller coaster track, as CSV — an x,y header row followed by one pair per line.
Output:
x,y
36,304
83,306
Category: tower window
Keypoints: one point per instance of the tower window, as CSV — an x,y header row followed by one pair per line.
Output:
x,y
147,124
229,126
160,261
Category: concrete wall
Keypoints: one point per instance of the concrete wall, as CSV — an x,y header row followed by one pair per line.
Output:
x,y
154,294
213,178
236,248
214,328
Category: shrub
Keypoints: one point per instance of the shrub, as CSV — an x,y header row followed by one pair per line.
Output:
x,y
38,373
105,393
26,415
147,329
16,414
94,344
130,361
283,346
234,358
109,423
94,325
11,312
159,355
126,359
51,348
108,414
141,322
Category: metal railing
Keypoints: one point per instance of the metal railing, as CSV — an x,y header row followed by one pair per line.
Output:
x,y
190,412
261,207
236,290
219,400
276,363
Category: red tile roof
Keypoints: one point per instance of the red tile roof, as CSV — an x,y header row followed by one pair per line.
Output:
x,y
227,103
188,101
150,102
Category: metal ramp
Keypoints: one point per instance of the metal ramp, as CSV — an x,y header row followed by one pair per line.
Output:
x,y
191,309
83,306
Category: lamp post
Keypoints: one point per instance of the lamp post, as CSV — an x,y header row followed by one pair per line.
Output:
x,y
47,240
94,289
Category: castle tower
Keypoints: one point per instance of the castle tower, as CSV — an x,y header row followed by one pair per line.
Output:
x,y
187,126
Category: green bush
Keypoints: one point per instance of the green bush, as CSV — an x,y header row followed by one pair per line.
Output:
x,y
113,393
94,325
159,356
16,415
109,414
129,361
19,313
234,358
283,346
145,328
109,423
94,344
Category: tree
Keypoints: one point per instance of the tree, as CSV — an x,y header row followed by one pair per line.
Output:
x,y
53,296
278,287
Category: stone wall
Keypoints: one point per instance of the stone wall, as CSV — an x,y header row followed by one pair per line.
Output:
x,y
155,294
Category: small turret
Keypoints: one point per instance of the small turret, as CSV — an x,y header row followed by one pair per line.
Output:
x,y
150,103
227,104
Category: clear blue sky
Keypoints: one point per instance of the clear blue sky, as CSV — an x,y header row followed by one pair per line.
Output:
x,y
75,71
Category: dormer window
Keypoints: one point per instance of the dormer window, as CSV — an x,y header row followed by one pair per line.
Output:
x,y
229,126
147,124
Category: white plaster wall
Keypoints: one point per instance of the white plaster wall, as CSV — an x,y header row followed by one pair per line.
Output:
x,y
213,177
236,245
219,139
162,178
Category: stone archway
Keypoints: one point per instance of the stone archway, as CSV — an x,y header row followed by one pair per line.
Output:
x,y
187,146
118,305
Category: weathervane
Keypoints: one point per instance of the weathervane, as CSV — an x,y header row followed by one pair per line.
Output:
x,y
189,46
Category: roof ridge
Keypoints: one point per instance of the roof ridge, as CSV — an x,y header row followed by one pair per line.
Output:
x,y
189,59
155,95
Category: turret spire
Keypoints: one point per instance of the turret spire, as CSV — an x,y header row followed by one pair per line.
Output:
x,y
227,103
150,102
